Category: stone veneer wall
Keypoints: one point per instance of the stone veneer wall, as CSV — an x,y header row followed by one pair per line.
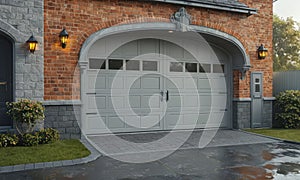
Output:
x,y
267,114
241,114
20,19
63,117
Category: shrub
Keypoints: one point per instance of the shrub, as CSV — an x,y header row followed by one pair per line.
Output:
x,y
288,107
48,135
8,140
29,139
25,111
44,136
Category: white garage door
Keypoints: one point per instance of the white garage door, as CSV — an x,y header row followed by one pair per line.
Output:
x,y
161,87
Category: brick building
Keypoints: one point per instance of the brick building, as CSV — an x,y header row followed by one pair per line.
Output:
x,y
139,65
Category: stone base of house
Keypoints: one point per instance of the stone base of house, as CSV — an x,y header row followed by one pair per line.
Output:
x,y
63,116
242,114
267,114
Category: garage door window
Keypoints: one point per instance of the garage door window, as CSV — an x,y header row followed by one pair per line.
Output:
x,y
218,68
97,63
176,67
132,65
191,67
115,64
204,68
149,65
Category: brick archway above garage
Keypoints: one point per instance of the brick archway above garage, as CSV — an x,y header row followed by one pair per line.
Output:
x,y
223,40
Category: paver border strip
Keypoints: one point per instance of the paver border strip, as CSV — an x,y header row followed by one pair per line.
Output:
x,y
32,166
279,139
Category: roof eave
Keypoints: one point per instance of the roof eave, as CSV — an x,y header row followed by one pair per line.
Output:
x,y
223,7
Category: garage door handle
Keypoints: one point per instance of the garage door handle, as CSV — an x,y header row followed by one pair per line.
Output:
x,y
167,95
162,95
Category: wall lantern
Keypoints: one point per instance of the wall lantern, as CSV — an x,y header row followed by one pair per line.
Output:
x,y
32,43
262,52
63,35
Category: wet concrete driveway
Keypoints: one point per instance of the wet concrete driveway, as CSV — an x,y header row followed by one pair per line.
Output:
x,y
266,160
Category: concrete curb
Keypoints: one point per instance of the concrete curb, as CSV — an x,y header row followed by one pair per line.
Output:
x,y
279,139
21,167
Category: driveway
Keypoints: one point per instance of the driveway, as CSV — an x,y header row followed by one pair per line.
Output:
x,y
251,157
168,141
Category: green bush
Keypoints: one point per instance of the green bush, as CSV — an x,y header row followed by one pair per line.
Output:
x,y
44,136
48,135
25,112
8,140
288,109
29,139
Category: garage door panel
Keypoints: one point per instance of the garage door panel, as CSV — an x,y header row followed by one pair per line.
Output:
x,y
134,102
128,50
96,102
190,83
151,101
188,56
116,102
151,83
218,84
190,119
174,101
149,46
152,121
220,101
205,100
217,119
133,122
175,83
191,101
116,82
95,123
203,84
133,83
115,122
203,118
172,119
173,50
94,82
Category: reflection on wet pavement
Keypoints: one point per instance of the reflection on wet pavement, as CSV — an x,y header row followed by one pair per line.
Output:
x,y
246,162
286,161
283,162
249,172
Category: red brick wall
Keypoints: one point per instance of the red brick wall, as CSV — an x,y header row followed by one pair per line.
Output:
x,y
81,18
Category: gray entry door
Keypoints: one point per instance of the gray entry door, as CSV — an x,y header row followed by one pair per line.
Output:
x,y
257,103
6,68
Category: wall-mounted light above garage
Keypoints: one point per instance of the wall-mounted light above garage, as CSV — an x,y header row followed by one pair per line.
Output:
x,y
63,36
262,52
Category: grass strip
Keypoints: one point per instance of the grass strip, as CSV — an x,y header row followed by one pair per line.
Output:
x,y
286,134
57,151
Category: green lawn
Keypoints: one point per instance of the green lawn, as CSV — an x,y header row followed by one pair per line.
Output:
x,y
287,134
60,150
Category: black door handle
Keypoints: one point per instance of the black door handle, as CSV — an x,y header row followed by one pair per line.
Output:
x,y
167,95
